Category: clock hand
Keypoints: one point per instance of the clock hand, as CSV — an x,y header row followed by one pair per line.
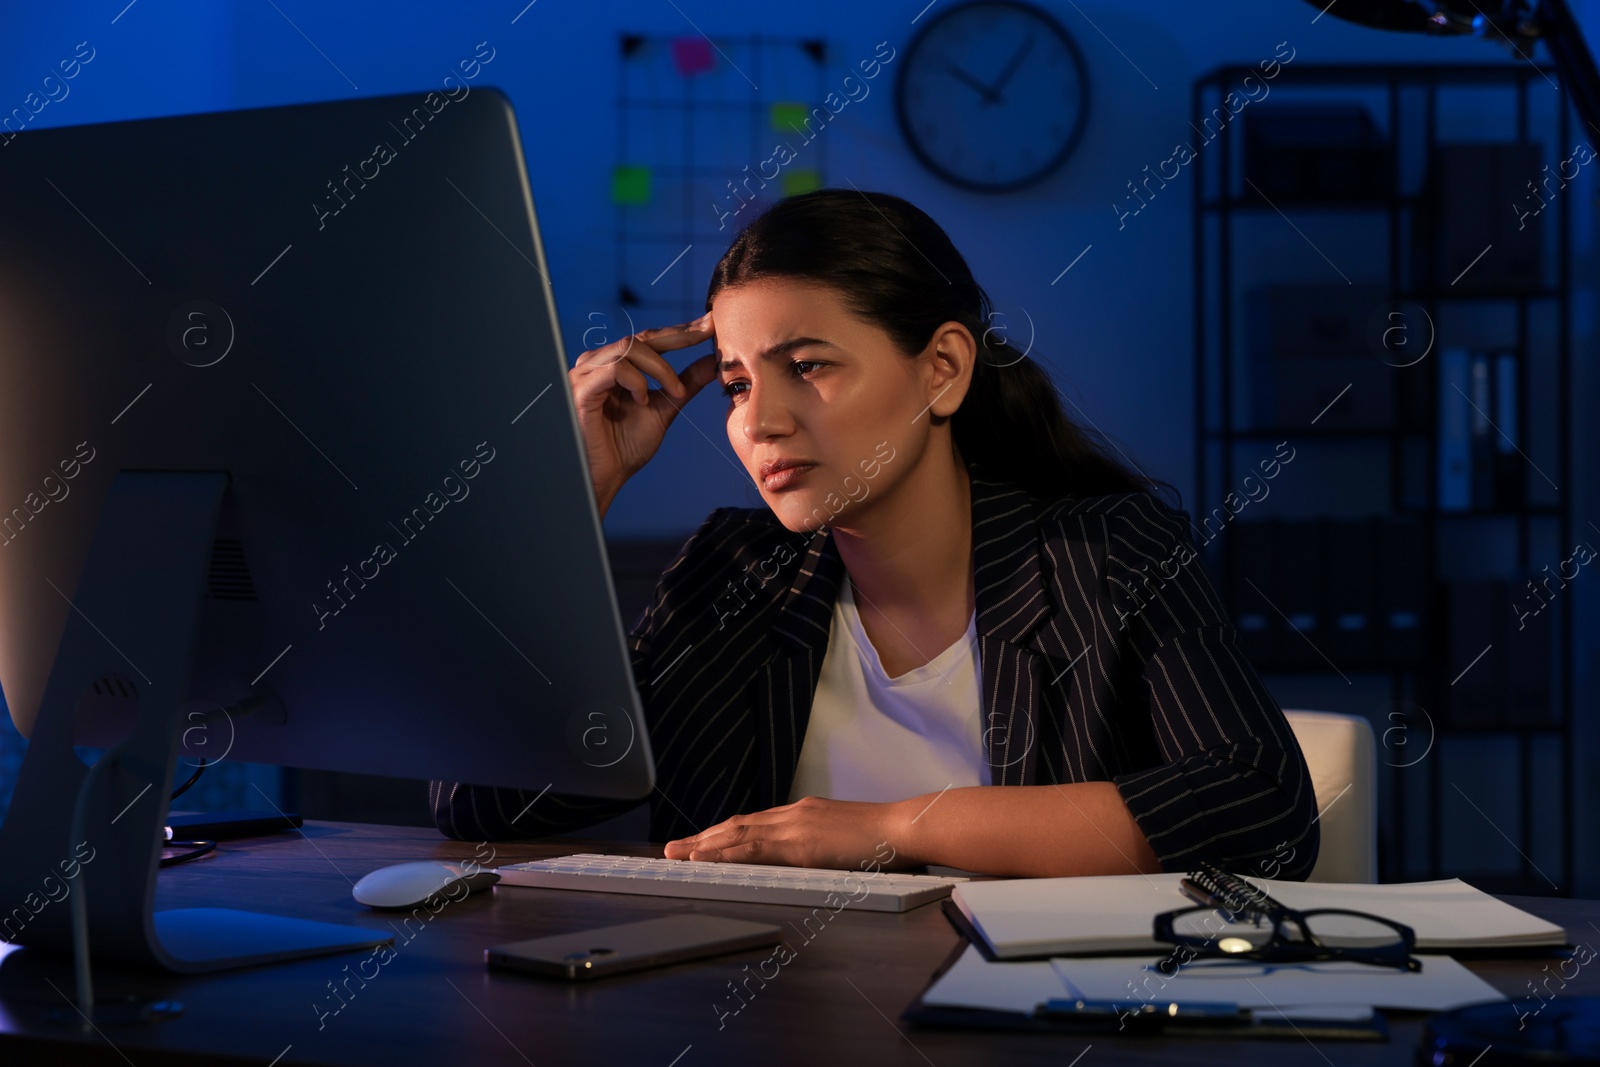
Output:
x,y
962,76
1011,67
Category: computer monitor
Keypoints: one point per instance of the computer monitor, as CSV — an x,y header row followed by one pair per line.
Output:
x,y
287,455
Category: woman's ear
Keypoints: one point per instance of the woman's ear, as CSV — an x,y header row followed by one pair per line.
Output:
x,y
952,351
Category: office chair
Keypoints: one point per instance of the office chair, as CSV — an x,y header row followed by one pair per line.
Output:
x,y
1341,755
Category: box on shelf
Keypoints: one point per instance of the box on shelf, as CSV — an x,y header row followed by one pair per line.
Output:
x,y
1299,153
1316,359
1288,393
1469,216
1497,671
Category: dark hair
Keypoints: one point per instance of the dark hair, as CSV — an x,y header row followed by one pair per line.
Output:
x,y
897,268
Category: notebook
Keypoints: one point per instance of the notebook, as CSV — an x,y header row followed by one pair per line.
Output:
x,y
1042,917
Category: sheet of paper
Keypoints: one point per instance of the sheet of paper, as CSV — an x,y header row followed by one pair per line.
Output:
x,y
1447,913
1443,983
974,982
1036,916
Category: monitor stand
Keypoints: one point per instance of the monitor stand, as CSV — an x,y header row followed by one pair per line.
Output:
x,y
135,613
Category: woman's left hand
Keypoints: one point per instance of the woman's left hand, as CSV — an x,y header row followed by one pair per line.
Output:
x,y
811,832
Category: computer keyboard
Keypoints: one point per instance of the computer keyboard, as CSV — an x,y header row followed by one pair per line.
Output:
x,y
751,883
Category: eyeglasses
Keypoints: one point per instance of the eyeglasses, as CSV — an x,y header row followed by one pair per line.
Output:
x,y
1286,936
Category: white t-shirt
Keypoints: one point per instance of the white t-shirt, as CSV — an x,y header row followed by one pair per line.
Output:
x,y
872,737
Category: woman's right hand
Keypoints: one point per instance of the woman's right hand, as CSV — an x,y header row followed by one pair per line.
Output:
x,y
621,418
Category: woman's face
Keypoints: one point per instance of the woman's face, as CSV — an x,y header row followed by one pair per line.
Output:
x,y
812,383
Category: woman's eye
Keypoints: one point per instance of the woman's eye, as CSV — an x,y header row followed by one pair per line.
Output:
x,y
732,389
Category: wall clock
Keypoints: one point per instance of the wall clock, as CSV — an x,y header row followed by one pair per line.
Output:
x,y
992,96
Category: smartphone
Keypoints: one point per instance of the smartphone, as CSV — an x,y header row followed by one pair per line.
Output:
x,y
631,946
220,826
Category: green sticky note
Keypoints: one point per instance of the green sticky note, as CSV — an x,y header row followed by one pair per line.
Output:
x,y
796,182
789,118
631,185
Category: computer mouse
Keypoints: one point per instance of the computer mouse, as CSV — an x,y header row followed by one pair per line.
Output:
x,y
405,885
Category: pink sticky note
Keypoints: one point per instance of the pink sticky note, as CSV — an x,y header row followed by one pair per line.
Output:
x,y
691,55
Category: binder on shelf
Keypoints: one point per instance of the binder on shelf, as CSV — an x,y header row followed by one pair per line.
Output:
x,y
1474,681
1297,592
1455,457
1250,547
1402,590
1413,387
1510,471
1349,559
1481,435
1528,636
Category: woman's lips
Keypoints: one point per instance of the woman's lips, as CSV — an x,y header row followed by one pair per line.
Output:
x,y
782,479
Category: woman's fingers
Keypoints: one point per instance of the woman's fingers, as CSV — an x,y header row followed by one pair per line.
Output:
x,y
699,374
648,355
659,339
658,368
594,384
643,351
631,379
704,835
680,336
683,334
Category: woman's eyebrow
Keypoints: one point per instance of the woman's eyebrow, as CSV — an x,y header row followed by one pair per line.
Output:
x,y
779,350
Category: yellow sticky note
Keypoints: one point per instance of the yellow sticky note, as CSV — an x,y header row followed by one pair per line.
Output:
x,y
796,182
631,185
788,118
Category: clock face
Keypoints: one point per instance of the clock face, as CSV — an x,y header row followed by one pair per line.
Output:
x,y
992,96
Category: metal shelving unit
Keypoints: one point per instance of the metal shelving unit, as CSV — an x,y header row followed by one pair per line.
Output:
x,y
1409,113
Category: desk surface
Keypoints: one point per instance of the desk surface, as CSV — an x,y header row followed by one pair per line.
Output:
x,y
836,1002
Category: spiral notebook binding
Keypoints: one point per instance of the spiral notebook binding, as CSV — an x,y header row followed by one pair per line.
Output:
x,y
1236,894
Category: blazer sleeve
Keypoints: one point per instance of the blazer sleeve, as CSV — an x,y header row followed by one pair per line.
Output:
x,y
493,813
1232,786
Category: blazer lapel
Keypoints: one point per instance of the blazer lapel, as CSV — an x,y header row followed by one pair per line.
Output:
x,y
1012,602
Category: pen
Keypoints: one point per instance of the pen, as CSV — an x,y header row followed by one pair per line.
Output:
x,y
1144,1014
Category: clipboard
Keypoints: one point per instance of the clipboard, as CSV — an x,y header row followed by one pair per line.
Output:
x,y
920,1014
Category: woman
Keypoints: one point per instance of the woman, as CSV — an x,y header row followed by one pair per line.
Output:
x,y
958,626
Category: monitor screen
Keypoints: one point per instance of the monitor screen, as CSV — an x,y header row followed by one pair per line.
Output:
x,y
345,309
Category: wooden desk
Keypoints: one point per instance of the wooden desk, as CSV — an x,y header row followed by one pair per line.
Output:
x,y
836,1003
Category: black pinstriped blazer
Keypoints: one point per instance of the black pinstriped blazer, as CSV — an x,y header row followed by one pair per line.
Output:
x,y
1104,653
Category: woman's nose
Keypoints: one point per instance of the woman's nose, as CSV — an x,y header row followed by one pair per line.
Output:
x,y
766,413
